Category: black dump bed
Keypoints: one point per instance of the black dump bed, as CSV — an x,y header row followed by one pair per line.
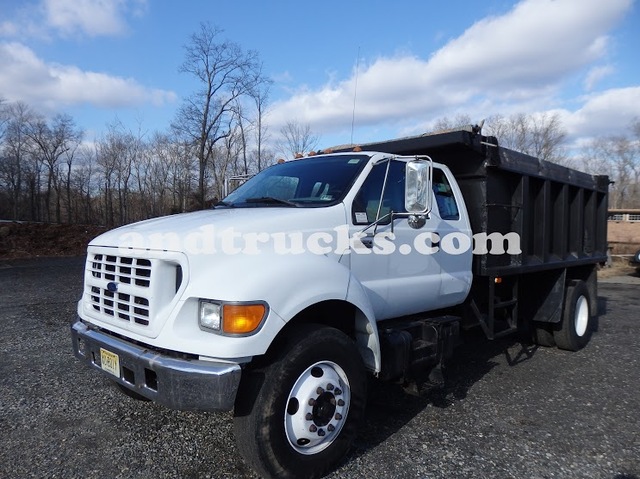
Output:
x,y
559,213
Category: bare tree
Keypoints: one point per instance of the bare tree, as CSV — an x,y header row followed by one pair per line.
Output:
x,y
226,73
617,157
297,138
4,117
69,157
260,98
117,154
446,123
52,142
15,154
83,185
539,135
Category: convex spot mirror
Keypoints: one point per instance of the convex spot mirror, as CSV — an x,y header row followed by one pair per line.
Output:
x,y
417,192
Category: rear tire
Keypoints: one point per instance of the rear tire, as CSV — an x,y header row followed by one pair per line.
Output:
x,y
298,415
577,324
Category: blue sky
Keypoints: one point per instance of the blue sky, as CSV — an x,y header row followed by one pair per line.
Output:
x,y
99,60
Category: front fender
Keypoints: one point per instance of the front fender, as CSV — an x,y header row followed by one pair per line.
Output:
x,y
367,337
338,284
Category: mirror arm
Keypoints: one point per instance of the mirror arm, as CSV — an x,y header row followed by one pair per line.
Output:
x,y
384,187
379,220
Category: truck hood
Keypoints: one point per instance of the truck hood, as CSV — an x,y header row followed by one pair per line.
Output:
x,y
178,232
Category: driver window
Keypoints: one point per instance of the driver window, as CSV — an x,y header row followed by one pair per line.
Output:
x,y
367,202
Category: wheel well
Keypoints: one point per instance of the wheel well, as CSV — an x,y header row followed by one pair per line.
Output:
x,y
588,274
334,313
584,273
337,314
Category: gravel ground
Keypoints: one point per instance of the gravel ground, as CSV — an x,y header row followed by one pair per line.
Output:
x,y
510,410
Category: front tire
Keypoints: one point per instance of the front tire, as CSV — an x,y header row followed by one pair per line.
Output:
x,y
298,415
575,329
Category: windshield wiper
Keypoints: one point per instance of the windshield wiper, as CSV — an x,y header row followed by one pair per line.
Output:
x,y
270,200
224,203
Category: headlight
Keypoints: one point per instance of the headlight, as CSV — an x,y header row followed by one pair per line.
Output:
x,y
232,318
210,315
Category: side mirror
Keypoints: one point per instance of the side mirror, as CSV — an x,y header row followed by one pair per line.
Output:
x,y
417,191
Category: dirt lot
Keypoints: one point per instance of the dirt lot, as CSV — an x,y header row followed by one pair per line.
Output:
x,y
40,240
510,410
32,240
619,268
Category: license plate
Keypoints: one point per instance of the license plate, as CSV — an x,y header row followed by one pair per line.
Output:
x,y
110,362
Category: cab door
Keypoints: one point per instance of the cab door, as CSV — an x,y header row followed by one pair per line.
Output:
x,y
456,241
399,266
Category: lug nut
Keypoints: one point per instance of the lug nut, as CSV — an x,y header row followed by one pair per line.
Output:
x,y
309,416
313,428
331,428
312,402
337,392
338,416
340,402
321,432
319,391
330,387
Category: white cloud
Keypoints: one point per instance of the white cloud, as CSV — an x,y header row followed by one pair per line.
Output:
x,y
595,75
505,63
51,18
90,17
8,29
26,77
536,43
605,113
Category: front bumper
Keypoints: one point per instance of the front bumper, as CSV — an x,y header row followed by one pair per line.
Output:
x,y
175,383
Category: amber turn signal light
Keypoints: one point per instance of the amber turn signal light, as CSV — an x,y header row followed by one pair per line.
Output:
x,y
242,318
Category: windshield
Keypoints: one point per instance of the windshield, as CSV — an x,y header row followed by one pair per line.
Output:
x,y
311,182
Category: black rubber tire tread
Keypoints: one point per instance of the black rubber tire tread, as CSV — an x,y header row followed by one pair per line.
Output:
x,y
260,403
543,335
565,333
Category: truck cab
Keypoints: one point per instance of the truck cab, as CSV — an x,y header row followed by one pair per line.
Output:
x,y
326,228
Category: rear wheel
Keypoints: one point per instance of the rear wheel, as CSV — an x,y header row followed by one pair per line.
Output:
x,y
575,329
297,416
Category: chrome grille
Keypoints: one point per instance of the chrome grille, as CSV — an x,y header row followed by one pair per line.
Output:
x,y
130,291
122,269
120,305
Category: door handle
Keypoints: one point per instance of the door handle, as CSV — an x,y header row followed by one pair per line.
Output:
x,y
367,241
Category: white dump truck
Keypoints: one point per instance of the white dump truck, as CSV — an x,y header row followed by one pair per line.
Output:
x,y
279,301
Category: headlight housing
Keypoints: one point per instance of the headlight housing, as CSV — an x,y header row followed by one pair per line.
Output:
x,y
235,319
210,315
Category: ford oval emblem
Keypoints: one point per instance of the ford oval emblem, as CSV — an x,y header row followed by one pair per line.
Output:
x,y
112,286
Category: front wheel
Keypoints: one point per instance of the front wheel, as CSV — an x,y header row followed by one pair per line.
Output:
x,y
297,416
574,331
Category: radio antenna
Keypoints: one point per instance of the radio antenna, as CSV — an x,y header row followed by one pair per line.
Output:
x,y
355,92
